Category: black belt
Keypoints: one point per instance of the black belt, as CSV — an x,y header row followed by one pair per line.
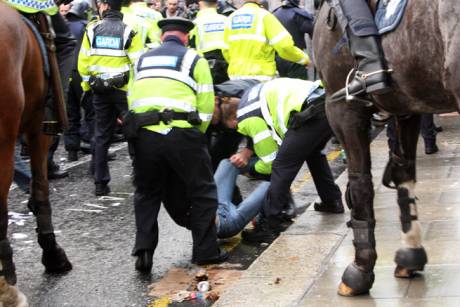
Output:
x,y
133,121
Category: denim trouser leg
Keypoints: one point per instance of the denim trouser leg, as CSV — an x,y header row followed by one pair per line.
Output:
x,y
232,219
22,175
252,205
225,178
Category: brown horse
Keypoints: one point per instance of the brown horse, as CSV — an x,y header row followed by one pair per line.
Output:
x,y
22,98
424,53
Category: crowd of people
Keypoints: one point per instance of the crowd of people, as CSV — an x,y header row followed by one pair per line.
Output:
x,y
200,103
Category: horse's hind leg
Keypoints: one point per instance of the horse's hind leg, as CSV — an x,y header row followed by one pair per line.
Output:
x,y
352,129
54,258
400,171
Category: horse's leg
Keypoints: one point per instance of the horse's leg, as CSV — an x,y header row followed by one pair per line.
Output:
x,y
352,129
9,295
54,258
400,171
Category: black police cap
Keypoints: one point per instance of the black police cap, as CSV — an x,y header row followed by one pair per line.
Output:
x,y
176,24
114,4
209,1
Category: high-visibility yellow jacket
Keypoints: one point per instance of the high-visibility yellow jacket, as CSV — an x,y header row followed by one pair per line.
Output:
x,y
176,78
34,6
264,113
209,31
109,48
150,17
252,36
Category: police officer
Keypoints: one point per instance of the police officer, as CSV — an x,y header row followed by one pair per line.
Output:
x,y
136,16
286,120
108,50
77,19
171,102
252,36
140,8
208,38
372,75
297,22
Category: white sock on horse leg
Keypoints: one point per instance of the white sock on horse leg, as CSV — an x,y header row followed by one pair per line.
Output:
x,y
412,238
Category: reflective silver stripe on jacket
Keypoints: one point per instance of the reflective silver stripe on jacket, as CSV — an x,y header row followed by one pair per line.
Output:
x,y
184,75
162,102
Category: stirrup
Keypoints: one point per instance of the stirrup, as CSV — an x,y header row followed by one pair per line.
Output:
x,y
348,97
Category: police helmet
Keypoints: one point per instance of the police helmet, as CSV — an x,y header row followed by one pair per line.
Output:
x,y
225,8
80,9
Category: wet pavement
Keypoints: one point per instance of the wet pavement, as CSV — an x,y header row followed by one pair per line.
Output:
x,y
308,260
97,234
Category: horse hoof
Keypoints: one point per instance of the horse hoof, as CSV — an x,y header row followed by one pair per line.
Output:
x,y
22,300
401,272
10,296
344,290
410,260
355,281
56,261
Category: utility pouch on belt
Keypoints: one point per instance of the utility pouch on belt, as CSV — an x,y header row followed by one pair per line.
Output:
x,y
132,122
314,109
101,85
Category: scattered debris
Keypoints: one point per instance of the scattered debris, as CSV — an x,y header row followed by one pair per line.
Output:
x,y
19,236
203,286
96,206
193,284
110,198
201,275
84,210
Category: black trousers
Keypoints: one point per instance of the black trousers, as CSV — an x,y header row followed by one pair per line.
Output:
x,y
107,107
222,143
75,104
301,145
176,169
218,66
427,130
288,69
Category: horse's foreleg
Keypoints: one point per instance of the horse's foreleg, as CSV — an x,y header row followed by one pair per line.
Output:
x,y
54,258
352,129
9,294
401,169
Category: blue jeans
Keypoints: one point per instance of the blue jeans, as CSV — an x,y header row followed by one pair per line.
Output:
x,y
232,219
22,175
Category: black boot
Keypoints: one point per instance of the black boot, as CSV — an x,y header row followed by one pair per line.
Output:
x,y
102,189
221,257
371,76
72,155
55,172
144,261
263,232
335,206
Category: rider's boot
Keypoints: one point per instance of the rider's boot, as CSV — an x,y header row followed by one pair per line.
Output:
x,y
372,75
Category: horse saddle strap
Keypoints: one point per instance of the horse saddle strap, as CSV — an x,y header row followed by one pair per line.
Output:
x,y
46,30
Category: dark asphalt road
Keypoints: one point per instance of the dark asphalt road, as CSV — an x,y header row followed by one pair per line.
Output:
x,y
97,234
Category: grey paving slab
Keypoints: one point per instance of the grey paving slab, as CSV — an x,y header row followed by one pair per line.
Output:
x,y
281,275
437,281
372,302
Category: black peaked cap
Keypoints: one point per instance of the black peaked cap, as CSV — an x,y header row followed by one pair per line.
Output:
x,y
176,24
